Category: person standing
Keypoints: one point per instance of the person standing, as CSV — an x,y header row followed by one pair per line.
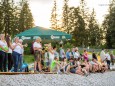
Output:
x,y
10,59
22,54
76,54
56,54
102,55
112,57
16,47
37,54
68,54
108,59
3,53
61,52
51,54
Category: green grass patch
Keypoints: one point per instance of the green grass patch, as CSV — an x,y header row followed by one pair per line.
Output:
x,y
114,52
28,59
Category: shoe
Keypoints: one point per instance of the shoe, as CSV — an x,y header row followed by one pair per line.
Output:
x,y
35,71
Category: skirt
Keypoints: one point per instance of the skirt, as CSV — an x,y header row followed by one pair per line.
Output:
x,y
37,55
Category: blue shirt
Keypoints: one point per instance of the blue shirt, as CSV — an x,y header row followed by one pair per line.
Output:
x,y
67,55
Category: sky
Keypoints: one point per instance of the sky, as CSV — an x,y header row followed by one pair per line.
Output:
x,y
41,9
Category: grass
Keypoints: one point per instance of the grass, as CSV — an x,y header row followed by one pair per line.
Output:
x,y
28,59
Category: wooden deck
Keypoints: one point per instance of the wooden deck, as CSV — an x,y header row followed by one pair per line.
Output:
x,y
18,73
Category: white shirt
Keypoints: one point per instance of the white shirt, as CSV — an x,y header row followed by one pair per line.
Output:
x,y
46,57
3,44
51,57
38,45
22,50
76,55
108,56
17,49
10,50
102,55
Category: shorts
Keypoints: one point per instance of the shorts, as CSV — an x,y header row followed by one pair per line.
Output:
x,y
73,70
37,55
66,67
46,64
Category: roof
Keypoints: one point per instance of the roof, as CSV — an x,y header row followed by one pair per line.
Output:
x,y
43,32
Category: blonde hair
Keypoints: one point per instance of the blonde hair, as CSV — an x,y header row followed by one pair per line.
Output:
x,y
38,38
1,36
15,38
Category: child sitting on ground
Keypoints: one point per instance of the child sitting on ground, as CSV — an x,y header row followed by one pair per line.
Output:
x,y
63,64
73,68
55,65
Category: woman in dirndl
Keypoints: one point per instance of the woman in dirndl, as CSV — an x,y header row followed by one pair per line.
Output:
x,y
37,54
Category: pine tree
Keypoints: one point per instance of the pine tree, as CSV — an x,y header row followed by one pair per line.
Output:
x,y
7,16
95,35
65,18
85,15
25,18
76,24
109,26
54,21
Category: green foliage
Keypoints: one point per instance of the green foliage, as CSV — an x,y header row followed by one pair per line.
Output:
x,y
54,21
65,17
28,59
68,45
109,26
95,33
12,16
25,17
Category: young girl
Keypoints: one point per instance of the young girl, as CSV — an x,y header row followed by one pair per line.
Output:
x,y
3,53
85,55
10,58
51,54
46,59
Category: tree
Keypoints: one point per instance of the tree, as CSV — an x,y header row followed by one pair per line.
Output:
x,y
109,26
95,33
25,18
85,16
7,22
76,24
65,18
54,21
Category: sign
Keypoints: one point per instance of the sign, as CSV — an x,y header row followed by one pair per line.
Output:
x,y
23,37
63,37
55,37
35,37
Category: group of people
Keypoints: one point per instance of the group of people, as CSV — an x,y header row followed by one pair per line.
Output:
x,y
11,54
51,59
71,61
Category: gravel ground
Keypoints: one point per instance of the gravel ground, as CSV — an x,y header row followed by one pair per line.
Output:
x,y
98,79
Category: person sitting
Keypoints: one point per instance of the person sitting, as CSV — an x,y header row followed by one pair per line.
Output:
x,y
88,66
73,68
94,55
55,65
85,55
94,65
64,64
104,66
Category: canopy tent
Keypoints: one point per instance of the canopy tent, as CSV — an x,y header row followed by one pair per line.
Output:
x,y
44,33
